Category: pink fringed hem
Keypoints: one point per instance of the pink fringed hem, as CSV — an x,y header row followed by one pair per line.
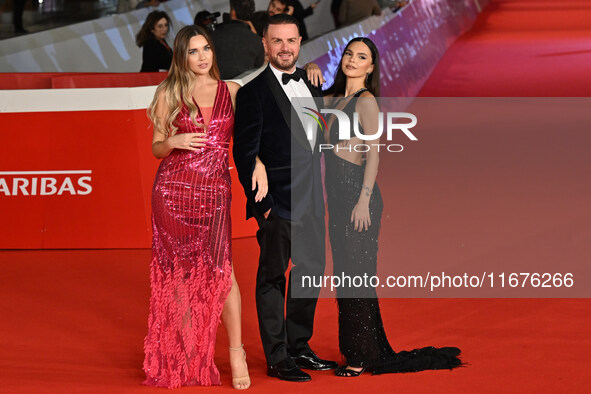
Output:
x,y
185,310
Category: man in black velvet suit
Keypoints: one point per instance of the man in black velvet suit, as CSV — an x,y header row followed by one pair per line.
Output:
x,y
291,216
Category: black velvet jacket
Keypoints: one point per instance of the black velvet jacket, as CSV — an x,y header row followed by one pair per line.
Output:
x,y
262,127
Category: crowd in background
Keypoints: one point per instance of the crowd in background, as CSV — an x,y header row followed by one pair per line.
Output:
x,y
344,12
237,40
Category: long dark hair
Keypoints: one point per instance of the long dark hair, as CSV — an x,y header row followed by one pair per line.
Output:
x,y
145,32
372,83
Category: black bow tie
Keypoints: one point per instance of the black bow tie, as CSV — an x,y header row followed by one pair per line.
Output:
x,y
286,77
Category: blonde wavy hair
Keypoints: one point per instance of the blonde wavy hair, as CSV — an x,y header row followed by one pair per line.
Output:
x,y
178,85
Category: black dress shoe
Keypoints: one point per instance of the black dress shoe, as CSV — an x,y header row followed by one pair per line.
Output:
x,y
311,361
287,370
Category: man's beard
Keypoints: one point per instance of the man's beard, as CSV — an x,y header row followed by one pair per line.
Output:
x,y
284,65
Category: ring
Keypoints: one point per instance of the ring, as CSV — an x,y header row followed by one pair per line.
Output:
x,y
190,144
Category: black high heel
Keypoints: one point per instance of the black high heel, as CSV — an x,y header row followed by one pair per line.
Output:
x,y
344,371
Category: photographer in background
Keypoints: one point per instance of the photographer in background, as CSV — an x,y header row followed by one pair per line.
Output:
x,y
238,48
294,8
206,20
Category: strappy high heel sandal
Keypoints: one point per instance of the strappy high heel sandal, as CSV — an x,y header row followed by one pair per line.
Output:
x,y
344,371
242,382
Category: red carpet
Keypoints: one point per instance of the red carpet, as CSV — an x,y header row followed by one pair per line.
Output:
x,y
74,321
527,48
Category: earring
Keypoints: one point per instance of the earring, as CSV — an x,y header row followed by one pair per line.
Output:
x,y
367,77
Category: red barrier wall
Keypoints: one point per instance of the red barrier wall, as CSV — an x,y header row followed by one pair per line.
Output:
x,y
109,207
17,81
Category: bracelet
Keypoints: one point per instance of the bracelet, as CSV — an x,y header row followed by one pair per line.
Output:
x,y
367,189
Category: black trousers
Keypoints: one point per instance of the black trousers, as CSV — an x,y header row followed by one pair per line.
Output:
x,y
286,327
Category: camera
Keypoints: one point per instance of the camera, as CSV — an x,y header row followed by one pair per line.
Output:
x,y
207,19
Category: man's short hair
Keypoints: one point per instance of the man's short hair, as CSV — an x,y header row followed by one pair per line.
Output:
x,y
281,19
243,8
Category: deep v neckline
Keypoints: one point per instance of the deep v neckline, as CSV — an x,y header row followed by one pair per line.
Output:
x,y
215,101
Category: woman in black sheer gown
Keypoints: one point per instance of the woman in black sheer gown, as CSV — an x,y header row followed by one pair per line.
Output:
x,y
355,210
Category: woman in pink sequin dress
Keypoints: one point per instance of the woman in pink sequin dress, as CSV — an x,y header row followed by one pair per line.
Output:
x,y
192,282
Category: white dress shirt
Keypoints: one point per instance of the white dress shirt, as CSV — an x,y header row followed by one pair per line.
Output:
x,y
300,97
